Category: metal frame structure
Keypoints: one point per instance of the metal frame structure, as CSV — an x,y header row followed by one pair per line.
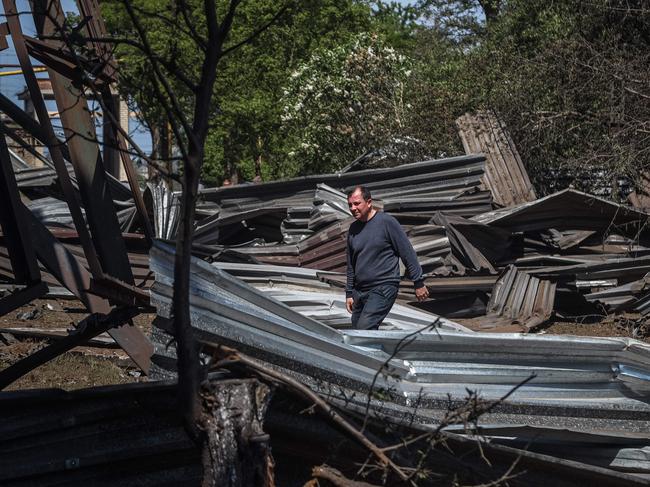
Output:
x,y
104,283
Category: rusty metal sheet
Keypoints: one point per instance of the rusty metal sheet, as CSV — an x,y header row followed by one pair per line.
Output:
x,y
86,159
519,300
568,210
53,144
505,174
478,247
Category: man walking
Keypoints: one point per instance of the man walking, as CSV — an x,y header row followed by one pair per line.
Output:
x,y
376,242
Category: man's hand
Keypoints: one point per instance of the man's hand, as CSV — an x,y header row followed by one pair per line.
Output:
x,y
349,302
422,293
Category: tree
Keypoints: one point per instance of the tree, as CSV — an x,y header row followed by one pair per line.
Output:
x,y
345,101
243,140
183,99
460,20
572,82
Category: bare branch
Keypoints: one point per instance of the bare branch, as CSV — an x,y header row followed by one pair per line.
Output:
x,y
257,32
335,477
171,95
184,8
231,356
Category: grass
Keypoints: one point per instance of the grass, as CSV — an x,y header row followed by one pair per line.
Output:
x,y
69,371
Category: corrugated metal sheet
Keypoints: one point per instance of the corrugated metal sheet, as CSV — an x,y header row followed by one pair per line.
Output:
x,y
580,383
568,209
505,174
166,209
138,258
93,437
301,206
54,212
132,435
304,291
520,301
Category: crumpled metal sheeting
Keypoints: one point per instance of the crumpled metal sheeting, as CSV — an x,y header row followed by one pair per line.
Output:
x,y
564,240
329,308
607,374
520,299
466,204
28,176
299,214
505,174
329,206
330,358
34,177
627,452
223,306
622,297
295,227
52,211
312,202
595,382
269,276
325,250
448,296
166,210
466,170
139,265
566,210
624,269
475,245
512,349
290,285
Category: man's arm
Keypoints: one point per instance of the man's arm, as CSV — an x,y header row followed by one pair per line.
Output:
x,y
407,253
349,285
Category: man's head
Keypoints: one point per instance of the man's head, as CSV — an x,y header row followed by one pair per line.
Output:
x,y
360,203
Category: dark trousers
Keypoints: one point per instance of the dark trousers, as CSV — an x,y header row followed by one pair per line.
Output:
x,y
371,307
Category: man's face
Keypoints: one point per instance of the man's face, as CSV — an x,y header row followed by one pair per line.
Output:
x,y
359,207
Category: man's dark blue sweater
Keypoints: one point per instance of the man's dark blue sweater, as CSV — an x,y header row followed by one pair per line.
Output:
x,y
374,250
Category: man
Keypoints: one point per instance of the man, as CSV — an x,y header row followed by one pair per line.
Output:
x,y
376,242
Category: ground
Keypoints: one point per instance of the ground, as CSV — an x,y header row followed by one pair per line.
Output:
x,y
81,367
103,365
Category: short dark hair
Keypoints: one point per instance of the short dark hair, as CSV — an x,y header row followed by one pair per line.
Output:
x,y
365,192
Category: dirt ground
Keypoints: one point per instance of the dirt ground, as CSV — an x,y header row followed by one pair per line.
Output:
x,y
86,366
624,325
107,364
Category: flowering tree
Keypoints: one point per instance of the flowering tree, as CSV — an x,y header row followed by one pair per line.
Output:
x,y
345,101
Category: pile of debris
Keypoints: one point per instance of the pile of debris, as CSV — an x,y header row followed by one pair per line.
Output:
x,y
267,279
509,269
277,295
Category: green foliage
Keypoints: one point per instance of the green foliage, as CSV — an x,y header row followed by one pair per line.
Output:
x,y
463,21
345,101
244,138
334,78
570,81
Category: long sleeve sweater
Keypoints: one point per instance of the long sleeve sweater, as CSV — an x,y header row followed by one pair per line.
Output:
x,y
373,252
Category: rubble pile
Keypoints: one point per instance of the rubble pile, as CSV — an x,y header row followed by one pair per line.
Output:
x,y
268,274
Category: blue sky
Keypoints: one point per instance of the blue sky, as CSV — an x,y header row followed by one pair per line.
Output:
x,y
10,86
